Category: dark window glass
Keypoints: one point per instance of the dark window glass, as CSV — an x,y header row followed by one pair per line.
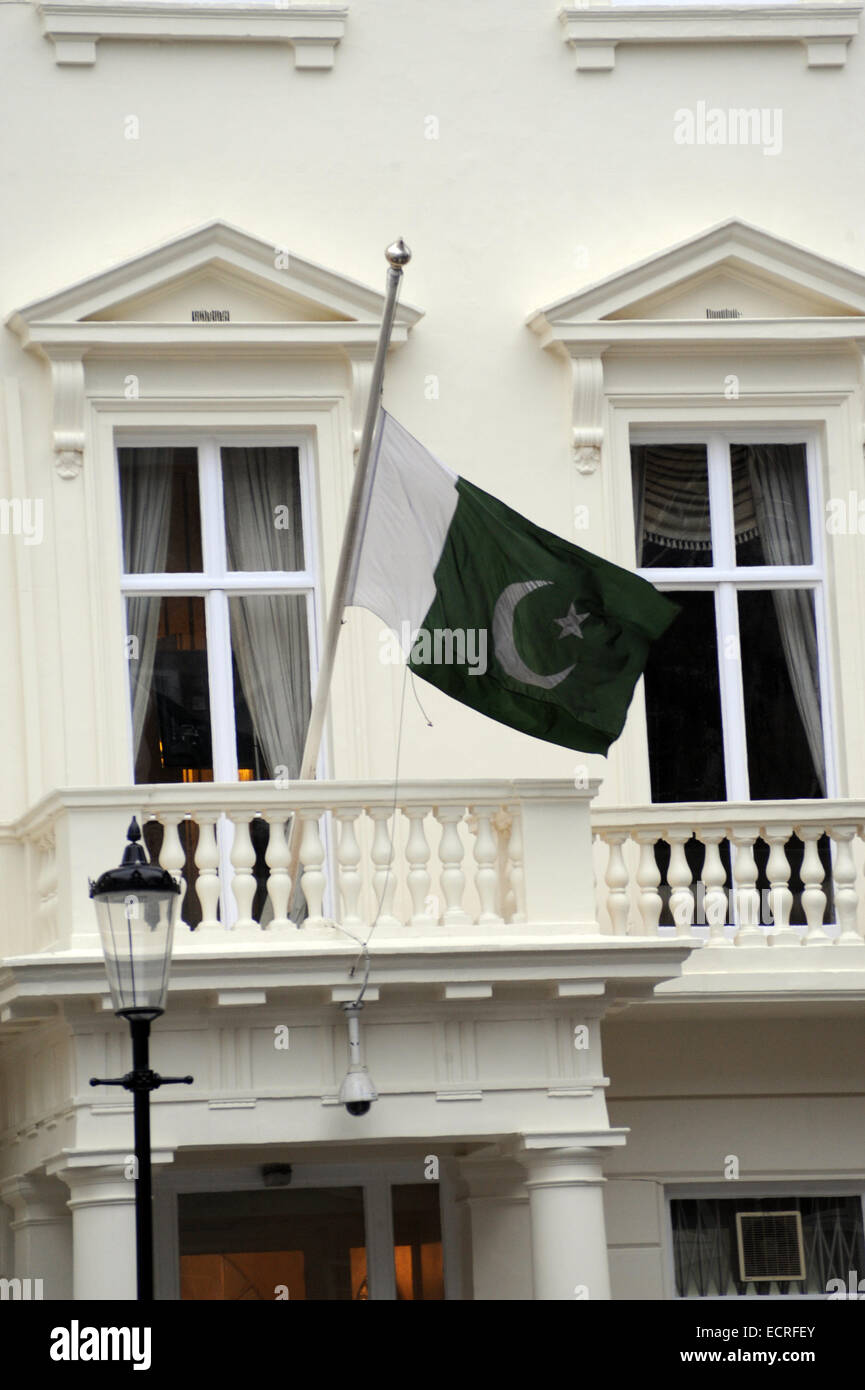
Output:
x,y
782,694
296,1244
671,505
263,518
270,650
160,510
417,1242
770,504
167,650
683,706
705,1246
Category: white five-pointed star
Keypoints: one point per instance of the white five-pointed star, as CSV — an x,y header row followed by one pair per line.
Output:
x,y
572,623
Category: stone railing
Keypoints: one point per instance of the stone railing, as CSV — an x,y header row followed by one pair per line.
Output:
x,y
430,858
733,874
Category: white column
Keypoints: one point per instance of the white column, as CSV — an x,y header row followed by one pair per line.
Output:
x,y
569,1239
102,1202
42,1233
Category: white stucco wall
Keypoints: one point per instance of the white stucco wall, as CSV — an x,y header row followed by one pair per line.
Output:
x,y
539,180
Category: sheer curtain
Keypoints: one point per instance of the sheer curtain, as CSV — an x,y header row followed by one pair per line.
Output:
x,y
780,490
145,485
269,631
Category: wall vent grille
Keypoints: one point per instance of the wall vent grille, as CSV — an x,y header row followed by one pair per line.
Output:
x,y
770,1245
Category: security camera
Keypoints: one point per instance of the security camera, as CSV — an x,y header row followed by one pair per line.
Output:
x,y
357,1091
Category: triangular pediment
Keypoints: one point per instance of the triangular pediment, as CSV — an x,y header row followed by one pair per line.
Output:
x,y
732,271
215,268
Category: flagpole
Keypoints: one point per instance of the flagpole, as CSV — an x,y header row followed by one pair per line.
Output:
x,y
398,255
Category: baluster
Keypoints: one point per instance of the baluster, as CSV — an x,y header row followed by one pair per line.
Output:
x,y
417,853
813,897
485,852
312,880
505,899
277,858
680,880
648,878
713,879
515,864
172,855
242,857
617,880
207,862
844,875
384,877
347,860
745,880
780,897
451,856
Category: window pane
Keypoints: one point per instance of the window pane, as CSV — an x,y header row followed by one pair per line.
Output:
x,y
167,648
671,505
160,509
263,519
270,646
770,502
705,1244
303,1243
417,1241
683,706
782,694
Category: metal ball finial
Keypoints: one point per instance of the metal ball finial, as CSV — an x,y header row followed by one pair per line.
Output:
x,y
398,254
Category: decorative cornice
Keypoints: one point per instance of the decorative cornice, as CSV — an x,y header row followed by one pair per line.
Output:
x,y
594,31
76,26
587,337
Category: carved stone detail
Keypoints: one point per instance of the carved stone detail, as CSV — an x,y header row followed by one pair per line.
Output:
x,y
587,402
67,375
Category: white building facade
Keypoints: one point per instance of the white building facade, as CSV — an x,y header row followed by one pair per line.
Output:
x,y
614,1012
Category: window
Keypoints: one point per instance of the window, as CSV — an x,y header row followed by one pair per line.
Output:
x,y
736,689
706,1244
220,604
306,1241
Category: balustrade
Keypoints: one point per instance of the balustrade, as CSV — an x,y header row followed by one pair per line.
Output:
x,y
734,874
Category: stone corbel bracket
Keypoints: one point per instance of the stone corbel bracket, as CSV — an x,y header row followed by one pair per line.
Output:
x,y
76,26
361,359
67,380
585,357
595,30
587,395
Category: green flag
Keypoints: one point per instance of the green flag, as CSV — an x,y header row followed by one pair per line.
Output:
x,y
503,616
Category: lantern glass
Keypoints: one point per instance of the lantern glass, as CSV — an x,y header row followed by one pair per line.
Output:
x,y
137,930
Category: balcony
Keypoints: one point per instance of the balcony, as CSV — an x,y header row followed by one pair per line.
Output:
x,y
773,891
751,896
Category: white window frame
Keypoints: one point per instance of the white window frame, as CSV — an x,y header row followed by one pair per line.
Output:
x,y
724,1192
377,1181
726,581
221,584
216,583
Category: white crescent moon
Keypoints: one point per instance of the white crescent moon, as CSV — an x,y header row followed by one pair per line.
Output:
x,y
503,636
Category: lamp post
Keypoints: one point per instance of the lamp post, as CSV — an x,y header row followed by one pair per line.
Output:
x,y
137,907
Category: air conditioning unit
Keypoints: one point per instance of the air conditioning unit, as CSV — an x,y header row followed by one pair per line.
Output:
x,y
770,1245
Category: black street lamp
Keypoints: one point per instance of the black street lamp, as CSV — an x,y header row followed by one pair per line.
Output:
x,y
137,907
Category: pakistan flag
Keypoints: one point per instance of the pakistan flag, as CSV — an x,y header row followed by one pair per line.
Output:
x,y
498,613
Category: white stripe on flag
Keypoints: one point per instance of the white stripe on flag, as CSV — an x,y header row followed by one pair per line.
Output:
x,y
411,507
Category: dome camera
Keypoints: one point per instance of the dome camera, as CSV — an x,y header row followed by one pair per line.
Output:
x,y
357,1091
